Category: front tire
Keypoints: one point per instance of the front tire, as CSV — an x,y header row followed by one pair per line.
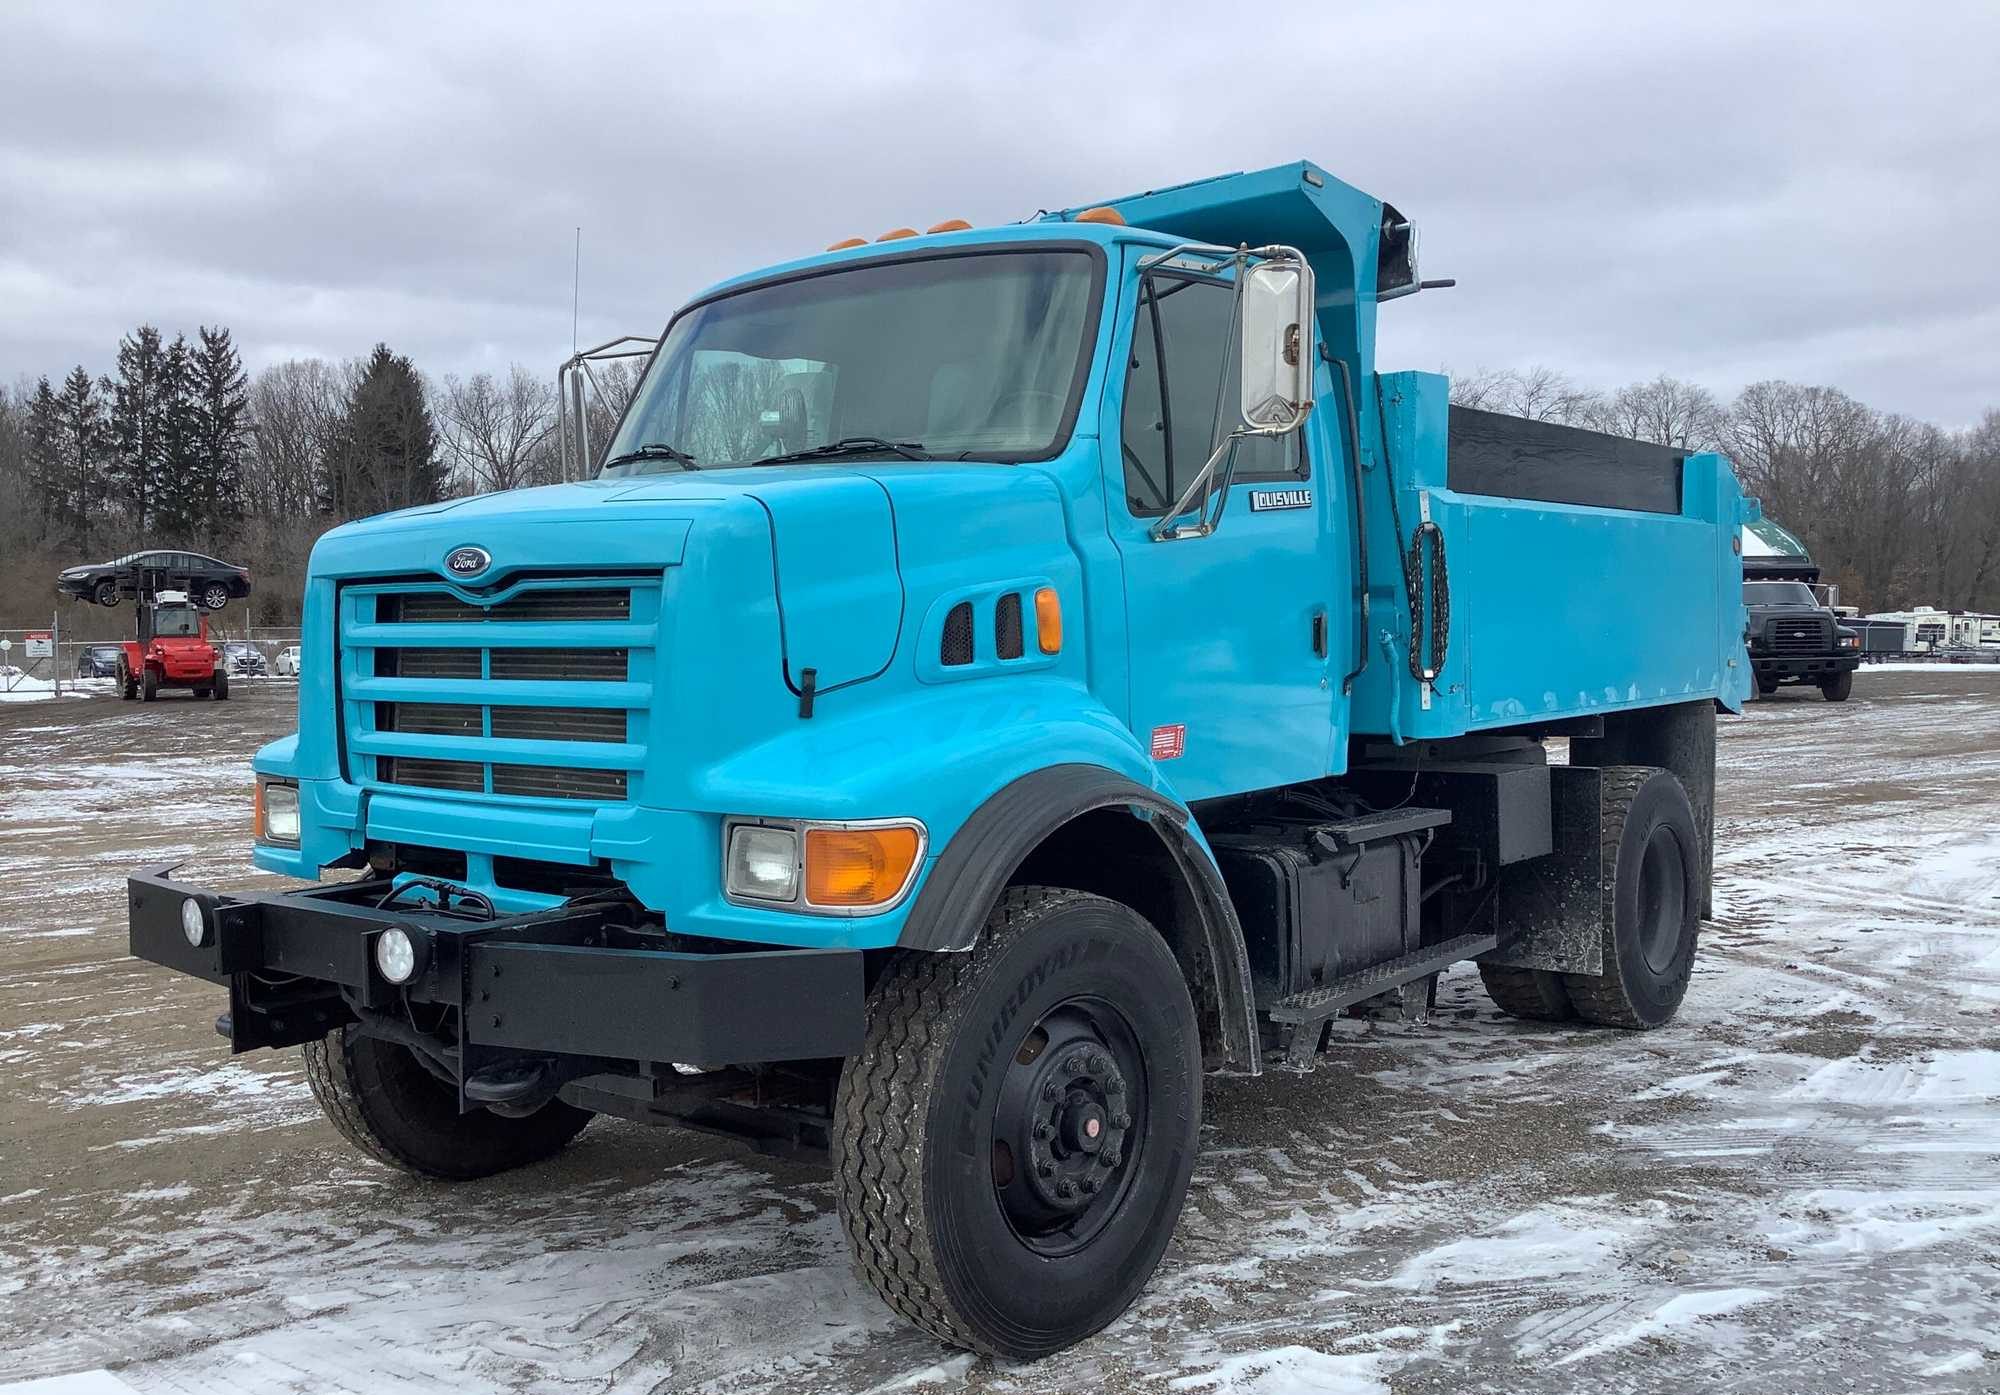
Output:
x,y
222,685
1836,688
215,596
128,686
1012,1144
377,1097
106,593
1652,901
149,686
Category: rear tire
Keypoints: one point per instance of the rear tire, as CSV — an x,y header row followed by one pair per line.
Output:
x,y
106,593
128,686
1652,903
149,686
215,595
1013,1142
377,1096
1535,994
1836,688
221,686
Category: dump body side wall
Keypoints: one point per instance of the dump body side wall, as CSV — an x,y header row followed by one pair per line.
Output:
x,y
1556,610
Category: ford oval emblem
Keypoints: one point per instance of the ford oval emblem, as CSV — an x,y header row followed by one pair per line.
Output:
x,y
467,561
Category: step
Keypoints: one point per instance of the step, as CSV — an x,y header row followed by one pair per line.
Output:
x,y
1317,1004
1384,823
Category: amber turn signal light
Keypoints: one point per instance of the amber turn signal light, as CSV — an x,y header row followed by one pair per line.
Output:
x,y
1048,619
859,867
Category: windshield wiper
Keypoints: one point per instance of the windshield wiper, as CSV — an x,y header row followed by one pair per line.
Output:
x,y
654,450
851,445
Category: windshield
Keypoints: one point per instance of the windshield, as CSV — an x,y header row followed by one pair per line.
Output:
x,y
976,354
175,621
1777,593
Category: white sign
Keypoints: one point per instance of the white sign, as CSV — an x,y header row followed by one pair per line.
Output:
x,y
40,645
5,645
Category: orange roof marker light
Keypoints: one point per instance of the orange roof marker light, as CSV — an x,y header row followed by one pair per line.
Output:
x,y
897,234
1101,214
950,225
847,242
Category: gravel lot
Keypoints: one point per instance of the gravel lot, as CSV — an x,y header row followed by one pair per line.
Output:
x,y
1792,1188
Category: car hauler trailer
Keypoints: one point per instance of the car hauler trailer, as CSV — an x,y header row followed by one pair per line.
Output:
x,y
996,674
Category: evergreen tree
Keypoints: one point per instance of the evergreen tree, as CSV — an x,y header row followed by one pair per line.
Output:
x,y
45,468
219,400
138,422
81,436
176,514
385,453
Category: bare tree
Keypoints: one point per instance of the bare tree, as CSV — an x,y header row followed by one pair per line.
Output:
x,y
1667,411
493,430
1538,393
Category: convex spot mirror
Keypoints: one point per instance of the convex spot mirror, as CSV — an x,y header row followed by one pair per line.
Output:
x,y
1275,317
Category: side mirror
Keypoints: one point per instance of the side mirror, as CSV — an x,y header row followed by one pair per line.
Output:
x,y
1275,319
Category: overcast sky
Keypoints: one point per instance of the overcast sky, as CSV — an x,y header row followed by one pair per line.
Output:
x,y
1721,192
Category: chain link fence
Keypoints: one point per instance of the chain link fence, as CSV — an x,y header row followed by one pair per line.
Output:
x,y
53,658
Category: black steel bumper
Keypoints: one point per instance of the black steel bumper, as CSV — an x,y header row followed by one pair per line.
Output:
x,y
572,982
1813,666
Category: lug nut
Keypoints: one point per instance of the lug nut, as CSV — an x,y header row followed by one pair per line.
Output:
x,y
1050,1093
1044,1129
1045,1168
1099,1062
1111,1159
1121,1120
1090,1186
1065,1189
1075,1064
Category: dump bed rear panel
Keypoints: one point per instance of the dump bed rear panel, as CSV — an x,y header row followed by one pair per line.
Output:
x,y
1584,573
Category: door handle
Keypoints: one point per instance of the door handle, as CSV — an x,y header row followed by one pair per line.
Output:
x,y
1319,634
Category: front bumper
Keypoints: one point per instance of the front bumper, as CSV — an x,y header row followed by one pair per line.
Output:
x,y
573,983
1807,666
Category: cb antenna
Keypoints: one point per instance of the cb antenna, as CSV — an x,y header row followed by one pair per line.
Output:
x,y
575,287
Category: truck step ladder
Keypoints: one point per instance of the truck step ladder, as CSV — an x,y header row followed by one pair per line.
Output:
x,y
1307,1013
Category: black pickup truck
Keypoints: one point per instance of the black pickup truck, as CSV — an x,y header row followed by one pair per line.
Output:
x,y
1794,639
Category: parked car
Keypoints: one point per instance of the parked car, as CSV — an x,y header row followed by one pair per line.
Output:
x,y
98,661
287,663
212,582
244,660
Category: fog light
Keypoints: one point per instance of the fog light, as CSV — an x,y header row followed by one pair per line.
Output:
x,y
194,924
763,863
397,954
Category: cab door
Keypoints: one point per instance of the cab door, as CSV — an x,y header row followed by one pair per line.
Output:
x,y
1236,640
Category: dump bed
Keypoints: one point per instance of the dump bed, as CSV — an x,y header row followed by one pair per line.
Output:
x,y
1583,573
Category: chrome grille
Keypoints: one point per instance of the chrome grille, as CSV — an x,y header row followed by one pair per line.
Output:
x,y
529,696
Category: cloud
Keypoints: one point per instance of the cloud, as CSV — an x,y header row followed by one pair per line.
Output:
x,y
1721,192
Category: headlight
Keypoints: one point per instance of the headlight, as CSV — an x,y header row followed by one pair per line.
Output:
x,y
277,812
858,868
1850,641
763,863
194,924
399,954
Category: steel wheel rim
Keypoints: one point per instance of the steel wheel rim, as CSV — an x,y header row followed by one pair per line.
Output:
x,y
1662,899
1068,1126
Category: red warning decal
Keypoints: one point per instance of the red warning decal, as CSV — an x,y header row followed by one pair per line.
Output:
x,y
1170,743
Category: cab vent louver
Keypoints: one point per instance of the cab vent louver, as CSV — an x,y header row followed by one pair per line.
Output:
x,y
956,650
1007,626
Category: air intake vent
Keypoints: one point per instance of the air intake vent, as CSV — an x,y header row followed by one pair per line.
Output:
x,y
561,665
560,723
427,663
956,650
467,776
558,782
427,718
1007,626
443,608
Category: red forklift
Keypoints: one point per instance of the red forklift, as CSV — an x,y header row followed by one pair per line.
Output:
x,y
172,651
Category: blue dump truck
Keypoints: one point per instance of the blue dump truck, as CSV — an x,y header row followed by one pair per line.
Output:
x,y
995,676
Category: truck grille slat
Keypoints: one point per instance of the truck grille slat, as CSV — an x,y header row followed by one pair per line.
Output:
x,y
453,649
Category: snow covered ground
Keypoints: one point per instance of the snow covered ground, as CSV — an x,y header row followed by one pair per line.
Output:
x,y
1791,1189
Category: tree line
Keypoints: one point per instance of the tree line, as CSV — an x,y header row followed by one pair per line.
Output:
x,y
178,447
1898,512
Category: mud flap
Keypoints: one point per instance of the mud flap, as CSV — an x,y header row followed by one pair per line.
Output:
x,y
1552,908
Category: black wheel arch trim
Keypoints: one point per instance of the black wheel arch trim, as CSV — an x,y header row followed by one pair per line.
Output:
x,y
975,867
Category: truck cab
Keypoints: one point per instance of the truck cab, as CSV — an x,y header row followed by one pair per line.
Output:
x,y
1795,639
993,676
